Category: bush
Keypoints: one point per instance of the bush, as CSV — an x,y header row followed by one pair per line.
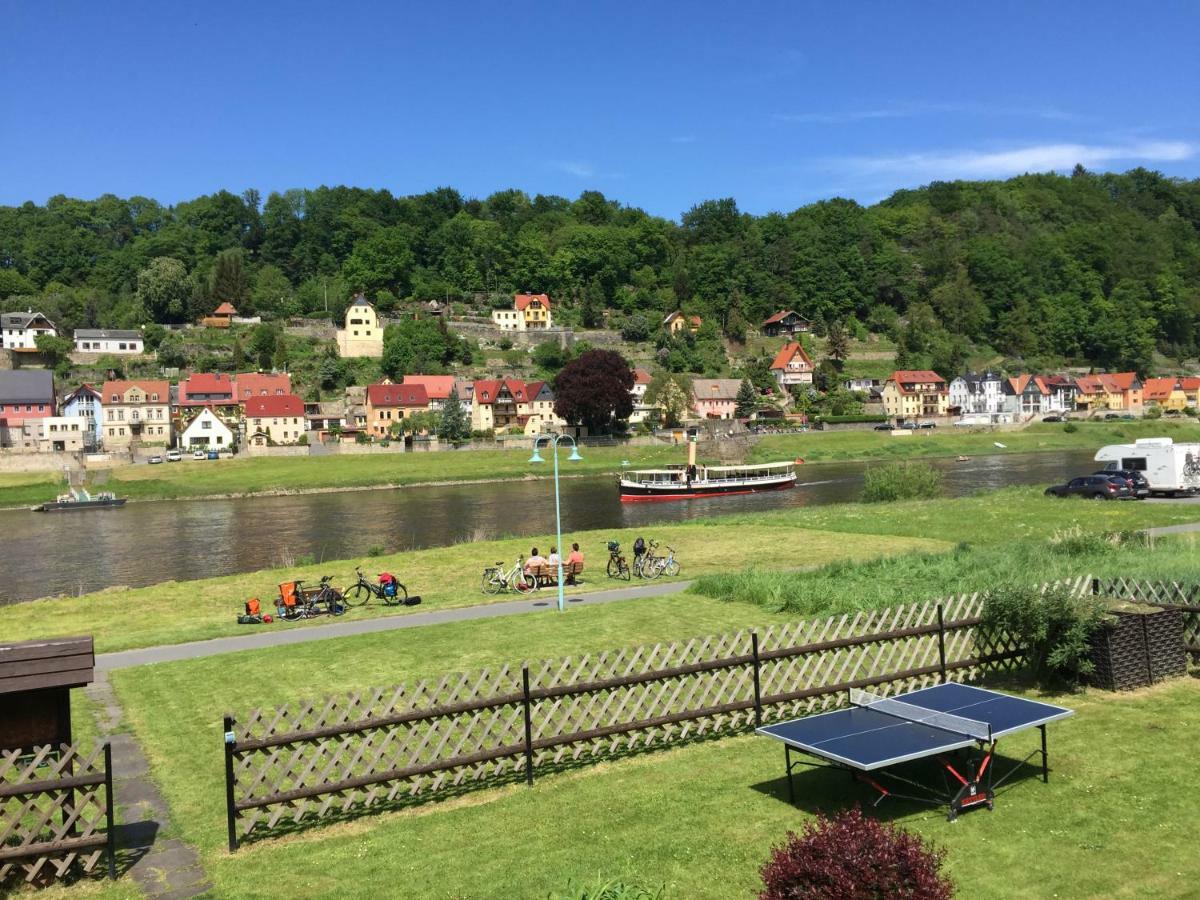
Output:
x,y
901,481
375,550
1053,628
1070,428
608,890
505,343
852,856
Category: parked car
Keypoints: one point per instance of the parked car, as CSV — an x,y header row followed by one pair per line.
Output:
x,y
1093,487
883,426
911,426
1139,485
213,454
1053,419
155,460
198,454
174,456
1108,417
928,425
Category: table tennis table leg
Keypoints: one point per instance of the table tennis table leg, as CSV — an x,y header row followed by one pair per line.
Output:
x,y
787,756
1045,757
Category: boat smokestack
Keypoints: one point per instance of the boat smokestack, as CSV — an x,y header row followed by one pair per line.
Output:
x,y
692,439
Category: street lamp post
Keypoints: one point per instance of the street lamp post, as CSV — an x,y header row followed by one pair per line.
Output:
x,y
552,441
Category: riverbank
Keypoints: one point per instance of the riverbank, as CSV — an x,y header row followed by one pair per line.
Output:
x,y
449,577
242,477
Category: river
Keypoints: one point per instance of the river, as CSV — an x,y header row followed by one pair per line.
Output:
x,y
147,543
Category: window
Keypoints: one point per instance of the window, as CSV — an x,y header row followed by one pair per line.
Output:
x,y
1134,463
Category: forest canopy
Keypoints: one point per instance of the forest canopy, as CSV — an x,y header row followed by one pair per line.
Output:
x,y
1102,268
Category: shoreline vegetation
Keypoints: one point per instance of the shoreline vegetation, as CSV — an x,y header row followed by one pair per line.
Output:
x,y
292,476
123,618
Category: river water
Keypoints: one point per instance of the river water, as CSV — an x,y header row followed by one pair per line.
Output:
x,y
147,543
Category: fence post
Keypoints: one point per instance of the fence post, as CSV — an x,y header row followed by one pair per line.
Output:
x,y
109,812
941,642
528,726
1095,586
230,812
757,686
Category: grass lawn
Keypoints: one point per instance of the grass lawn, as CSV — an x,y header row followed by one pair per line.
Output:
x,y
818,446
1112,822
445,577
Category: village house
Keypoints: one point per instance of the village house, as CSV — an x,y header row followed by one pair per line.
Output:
x,y
910,393
1026,396
388,403
975,393
85,401
136,411
495,403
274,420
676,323
438,388
1166,394
715,398
868,386
792,366
530,312
1062,393
538,409
363,335
1121,392
786,322
108,340
326,417
207,431
261,384
1190,386
20,330
62,434
221,317
641,409
25,397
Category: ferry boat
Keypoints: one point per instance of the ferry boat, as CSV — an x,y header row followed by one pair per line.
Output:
x,y
78,498
685,482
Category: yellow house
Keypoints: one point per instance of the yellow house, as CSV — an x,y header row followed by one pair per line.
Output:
x,y
530,312
135,411
363,335
275,419
388,403
908,394
676,323
1164,393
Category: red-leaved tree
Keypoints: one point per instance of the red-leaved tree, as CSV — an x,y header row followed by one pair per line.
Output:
x,y
854,857
593,390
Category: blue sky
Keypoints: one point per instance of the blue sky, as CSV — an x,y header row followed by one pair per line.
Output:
x,y
660,105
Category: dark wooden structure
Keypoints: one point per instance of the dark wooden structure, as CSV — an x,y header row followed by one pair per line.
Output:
x,y
1139,648
36,678
786,321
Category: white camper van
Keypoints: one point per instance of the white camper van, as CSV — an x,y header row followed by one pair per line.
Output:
x,y
1169,467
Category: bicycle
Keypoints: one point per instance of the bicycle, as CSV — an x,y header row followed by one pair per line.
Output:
x,y
497,579
661,565
617,566
310,602
362,591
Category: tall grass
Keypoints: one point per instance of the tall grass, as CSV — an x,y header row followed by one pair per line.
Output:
x,y
844,586
901,481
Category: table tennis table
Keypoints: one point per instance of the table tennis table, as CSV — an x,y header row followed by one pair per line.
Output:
x,y
876,734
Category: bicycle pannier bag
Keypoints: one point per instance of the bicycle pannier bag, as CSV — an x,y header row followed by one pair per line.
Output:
x,y
253,607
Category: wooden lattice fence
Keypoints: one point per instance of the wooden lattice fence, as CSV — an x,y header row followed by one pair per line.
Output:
x,y
56,812
314,759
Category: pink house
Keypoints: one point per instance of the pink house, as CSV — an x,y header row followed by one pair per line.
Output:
x,y
715,398
24,396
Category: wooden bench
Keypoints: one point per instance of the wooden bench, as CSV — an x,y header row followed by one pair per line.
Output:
x,y
547,575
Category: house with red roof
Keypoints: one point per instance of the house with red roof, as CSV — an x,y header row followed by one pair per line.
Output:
x,y
438,388
261,384
136,412
785,321
388,404
274,419
908,393
496,404
530,312
1119,392
641,409
792,366
1026,395
1166,394
1190,385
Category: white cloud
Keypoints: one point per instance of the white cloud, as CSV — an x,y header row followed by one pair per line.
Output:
x,y
1035,158
577,168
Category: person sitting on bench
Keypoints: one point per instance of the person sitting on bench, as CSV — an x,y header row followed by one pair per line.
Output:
x,y
535,562
575,561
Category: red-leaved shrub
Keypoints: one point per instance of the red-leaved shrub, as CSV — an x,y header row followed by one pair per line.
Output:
x,y
854,857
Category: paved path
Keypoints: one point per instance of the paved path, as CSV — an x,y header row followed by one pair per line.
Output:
x,y
273,636
164,868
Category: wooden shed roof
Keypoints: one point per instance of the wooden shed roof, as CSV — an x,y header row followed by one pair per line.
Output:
x,y
54,662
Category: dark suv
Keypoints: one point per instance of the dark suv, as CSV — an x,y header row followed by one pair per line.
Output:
x,y
1138,485
1093,487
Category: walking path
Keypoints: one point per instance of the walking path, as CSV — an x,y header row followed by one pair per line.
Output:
x,y
164,868
544,601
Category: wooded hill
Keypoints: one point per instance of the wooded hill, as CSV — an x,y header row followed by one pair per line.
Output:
x,y
1095,269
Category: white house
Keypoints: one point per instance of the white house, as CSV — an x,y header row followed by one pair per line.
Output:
x,y
973,393
206,430
20,330
792,366
63,434
641,409
530,312
363,335
108,340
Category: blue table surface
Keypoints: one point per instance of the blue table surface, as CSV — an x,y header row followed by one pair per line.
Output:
x,y
867,739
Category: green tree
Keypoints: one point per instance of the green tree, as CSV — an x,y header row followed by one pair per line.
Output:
x,y
238,361
263,341
671,393
454,424
164,290
747,400
56,351
839,342
272,296
228,282
594,389
591,307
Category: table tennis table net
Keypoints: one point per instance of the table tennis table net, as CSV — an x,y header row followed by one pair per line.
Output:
x,y
910,712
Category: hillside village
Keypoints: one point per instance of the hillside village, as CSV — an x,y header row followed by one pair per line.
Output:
x,y
260,411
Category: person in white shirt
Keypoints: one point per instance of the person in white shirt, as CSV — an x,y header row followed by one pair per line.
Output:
x,y
555,559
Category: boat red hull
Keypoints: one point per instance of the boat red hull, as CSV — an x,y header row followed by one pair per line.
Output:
x,y
691,495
